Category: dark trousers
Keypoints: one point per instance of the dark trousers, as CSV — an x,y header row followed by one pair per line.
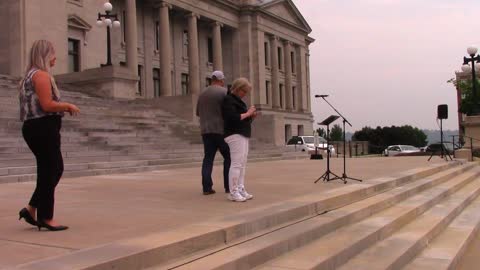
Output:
x,y
212,143
42,136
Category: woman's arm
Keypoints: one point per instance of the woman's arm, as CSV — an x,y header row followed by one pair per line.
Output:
x,y
43,89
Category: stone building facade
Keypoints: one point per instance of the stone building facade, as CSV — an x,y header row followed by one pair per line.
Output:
x,y
178,43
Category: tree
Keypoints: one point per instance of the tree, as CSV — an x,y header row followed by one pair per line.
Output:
x,y
336,134
465,86
380,138
321,132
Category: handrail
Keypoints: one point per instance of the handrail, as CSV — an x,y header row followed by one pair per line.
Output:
x,y
463,136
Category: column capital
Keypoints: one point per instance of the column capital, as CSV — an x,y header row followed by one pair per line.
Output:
x,y
165,4
193,15
288,43
217,24
273,37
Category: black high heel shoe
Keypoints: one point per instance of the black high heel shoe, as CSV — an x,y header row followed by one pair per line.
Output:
x,y
26,215
49,227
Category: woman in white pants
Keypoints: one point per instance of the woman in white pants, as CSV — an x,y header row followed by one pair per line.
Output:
x,y
237,124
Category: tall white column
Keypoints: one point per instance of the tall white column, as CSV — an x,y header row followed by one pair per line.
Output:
x,y
131,33
302,79
193,56
217,46
274,62
165,51
288,76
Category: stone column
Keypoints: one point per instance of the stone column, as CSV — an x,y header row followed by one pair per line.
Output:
x,y
274,62
288,76
217,46
131,33
193,56
165,51
301,79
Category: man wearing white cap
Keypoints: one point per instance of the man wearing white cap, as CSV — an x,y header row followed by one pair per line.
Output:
x,y
209,109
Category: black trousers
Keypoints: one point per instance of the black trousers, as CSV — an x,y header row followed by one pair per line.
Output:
x,y
42,136
212,143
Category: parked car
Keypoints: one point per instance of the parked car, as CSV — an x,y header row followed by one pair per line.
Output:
x,y
395,150
436,147
306,144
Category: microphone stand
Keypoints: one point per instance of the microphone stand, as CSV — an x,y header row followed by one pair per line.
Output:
x,y
344,120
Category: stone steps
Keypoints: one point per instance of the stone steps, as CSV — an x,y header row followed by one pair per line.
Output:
x,y
337,235
445,250
109,136
389,239
252,237
26,174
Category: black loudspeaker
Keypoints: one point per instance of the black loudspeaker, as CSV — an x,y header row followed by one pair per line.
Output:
x,y
442,111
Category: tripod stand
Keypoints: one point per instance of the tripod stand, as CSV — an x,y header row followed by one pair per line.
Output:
x,y
326,175
443,152
344,175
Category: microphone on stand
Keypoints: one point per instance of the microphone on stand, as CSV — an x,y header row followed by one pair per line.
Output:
x,y
322,96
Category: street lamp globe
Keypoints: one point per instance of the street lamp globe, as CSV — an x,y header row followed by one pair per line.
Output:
x,y
99,23
108,6
472,50
116,23
108,22
466,68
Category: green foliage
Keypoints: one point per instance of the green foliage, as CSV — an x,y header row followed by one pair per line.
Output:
x,y
336,133
321,132
380,138
465,86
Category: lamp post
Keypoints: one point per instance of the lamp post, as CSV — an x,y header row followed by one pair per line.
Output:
x,y
106,19
472,51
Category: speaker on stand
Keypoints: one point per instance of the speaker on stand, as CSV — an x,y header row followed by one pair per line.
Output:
x,y
442,113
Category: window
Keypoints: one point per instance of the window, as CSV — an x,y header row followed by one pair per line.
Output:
x,y
185,44
288,132
208,81
267,92
280,59
292,61
265,48
300,130
294,90
157,35
295,140
73,55
185,89
210,50
280,92
156,82
140,71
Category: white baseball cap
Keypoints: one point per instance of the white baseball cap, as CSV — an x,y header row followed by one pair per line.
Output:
x,y
218,75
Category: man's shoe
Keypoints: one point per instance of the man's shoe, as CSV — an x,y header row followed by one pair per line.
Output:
x,y
236,197
210,192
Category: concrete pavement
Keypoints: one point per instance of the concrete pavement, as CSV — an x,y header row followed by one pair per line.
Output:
x,y
103,209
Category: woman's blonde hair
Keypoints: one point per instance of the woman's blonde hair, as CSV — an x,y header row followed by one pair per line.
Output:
x,y
39,57
241,83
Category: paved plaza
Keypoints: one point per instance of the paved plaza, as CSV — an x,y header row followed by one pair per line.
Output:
x,y
107,208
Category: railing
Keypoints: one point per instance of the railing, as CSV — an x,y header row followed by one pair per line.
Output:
x,y
461,142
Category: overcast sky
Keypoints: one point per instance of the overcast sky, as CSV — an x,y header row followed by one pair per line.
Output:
x,y
387,62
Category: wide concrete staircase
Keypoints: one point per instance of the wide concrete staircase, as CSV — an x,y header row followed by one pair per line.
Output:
x,y
109,136
422,219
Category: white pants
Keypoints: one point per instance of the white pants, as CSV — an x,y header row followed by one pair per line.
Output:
x,y
238,154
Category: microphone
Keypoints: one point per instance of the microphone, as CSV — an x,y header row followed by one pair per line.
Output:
x,y
322,96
